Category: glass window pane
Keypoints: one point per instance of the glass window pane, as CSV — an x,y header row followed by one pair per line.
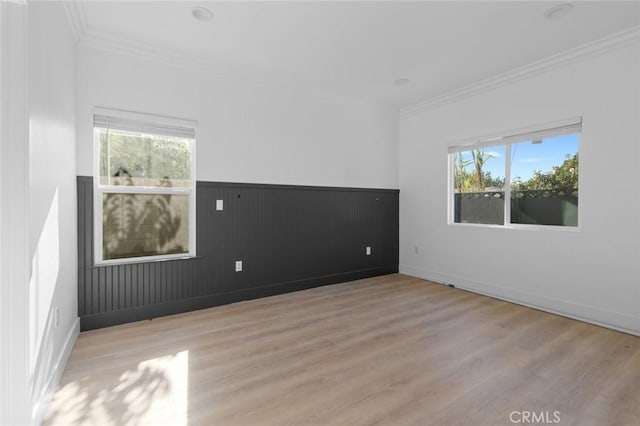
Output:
x,y
544,181
479,176
135,159
137,225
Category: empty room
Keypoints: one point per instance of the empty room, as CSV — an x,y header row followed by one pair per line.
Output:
x,y
319,212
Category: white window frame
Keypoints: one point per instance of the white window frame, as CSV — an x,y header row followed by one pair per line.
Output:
x,y
99,189
506,139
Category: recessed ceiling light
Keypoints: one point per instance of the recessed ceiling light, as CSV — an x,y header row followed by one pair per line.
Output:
x,y
402,82
202,14
559,11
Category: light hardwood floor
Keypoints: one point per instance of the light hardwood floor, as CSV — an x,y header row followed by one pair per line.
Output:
x,y
390,350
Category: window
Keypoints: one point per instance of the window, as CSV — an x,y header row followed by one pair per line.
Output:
x,y
479,177
143,187
536,170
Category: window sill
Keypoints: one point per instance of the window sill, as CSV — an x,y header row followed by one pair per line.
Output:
x,y
121,262
518,227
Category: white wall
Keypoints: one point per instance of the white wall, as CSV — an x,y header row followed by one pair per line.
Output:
x,y
52,183
14,207
594,273
246,133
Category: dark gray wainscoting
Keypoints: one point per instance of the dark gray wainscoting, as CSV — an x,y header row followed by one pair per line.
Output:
x,y
288,237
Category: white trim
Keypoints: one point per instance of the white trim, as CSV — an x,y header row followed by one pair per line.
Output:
x,y
506,139
450,202
145,259
15,398
101,40
144,117
515,135
587,50
507,185
99,190
44,401
519,226
585,313
120,189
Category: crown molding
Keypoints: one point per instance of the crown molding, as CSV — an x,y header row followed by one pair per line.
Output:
x,y
587,50
244,76
93,38
112,43
101,40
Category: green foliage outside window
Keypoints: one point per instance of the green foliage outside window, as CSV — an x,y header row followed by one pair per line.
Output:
x,y
475,179
560,178
147,158
469,174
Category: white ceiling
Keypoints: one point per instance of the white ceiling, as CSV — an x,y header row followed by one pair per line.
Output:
x,y
357,48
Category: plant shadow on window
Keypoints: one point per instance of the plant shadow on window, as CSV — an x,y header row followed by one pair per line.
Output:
x,y
143,224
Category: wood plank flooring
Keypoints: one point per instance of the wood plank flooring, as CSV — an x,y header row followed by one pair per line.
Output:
x,y
391,350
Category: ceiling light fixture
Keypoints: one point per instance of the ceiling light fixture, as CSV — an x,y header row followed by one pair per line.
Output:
x,y
402,82
559,11
202,14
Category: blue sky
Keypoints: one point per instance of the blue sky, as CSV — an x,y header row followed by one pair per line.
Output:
x,y
527,157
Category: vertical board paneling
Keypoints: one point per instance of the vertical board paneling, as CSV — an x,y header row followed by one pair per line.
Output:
x,y
82,290
288,238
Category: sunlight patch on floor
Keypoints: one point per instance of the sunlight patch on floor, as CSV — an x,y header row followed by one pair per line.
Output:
x,y
155,392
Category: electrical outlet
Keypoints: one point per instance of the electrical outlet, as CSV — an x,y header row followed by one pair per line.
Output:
x,y
238,265
219,205
368,251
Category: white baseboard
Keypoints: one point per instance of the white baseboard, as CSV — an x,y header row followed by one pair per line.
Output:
x,y
590,314
42,405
